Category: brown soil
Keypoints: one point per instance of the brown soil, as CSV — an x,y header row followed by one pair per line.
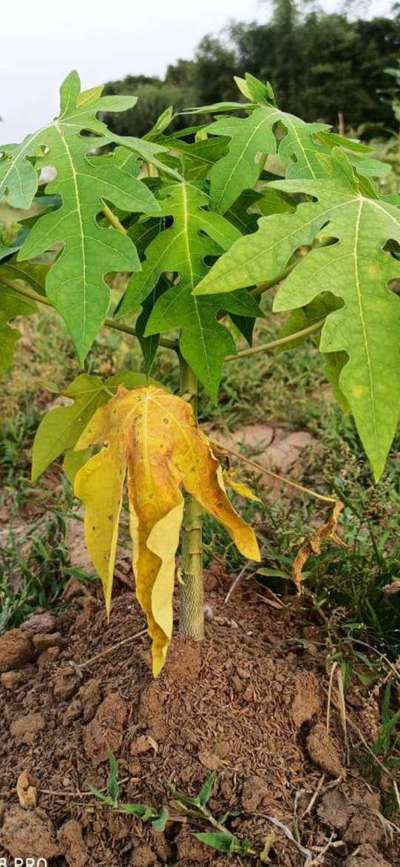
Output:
x,y
249,703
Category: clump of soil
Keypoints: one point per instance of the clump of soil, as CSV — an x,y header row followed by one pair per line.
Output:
x,y
248,703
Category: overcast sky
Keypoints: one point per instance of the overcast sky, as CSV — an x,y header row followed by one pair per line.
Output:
x,y
42,40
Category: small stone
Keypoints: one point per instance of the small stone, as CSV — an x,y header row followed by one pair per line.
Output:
x,y
16,649
27,727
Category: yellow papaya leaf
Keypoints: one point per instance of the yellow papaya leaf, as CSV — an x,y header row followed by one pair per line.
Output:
x,y
151,436
239,487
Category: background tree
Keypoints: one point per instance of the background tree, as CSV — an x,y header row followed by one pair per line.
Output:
x,y
319,64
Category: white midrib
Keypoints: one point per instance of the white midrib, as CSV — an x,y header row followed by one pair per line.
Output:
x,y
240,157
14,164
190,264
362,318
301,146
81,228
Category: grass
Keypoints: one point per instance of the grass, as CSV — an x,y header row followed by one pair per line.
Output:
x,y
347,586
288,388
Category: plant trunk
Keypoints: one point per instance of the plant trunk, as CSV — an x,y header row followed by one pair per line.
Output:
x,y
191,621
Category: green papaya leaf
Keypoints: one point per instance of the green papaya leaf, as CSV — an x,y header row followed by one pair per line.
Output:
x,y
17,273
182,248
356,268
85,180
255,90
19,176
253,138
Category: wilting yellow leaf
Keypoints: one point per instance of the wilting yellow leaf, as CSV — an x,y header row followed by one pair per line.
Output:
x,y
325,532
153,437
239,487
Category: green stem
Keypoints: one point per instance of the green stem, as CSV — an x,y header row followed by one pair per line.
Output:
x,y
280,341
113,220
192,587
109,323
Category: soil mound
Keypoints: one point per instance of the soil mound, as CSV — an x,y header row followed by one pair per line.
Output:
x,y
248,704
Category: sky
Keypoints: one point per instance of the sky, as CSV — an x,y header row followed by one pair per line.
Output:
x,y
42,40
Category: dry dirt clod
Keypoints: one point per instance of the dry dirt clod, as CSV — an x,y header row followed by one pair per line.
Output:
x,y
44,640
334,810
28,834
323,751
90,696
143,856
16,649
74,589
253,794
160,846
73,711
72,844
38,623
25,728
65,684
13,679
105,731
366,856
307,698
189,849
48,657
210,761
143,744
364,827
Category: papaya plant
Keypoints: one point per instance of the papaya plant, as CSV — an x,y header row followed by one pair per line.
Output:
x,y
202,222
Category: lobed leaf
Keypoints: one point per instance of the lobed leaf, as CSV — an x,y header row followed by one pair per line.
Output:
x,y
182,248
60,429
356,268
152,437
